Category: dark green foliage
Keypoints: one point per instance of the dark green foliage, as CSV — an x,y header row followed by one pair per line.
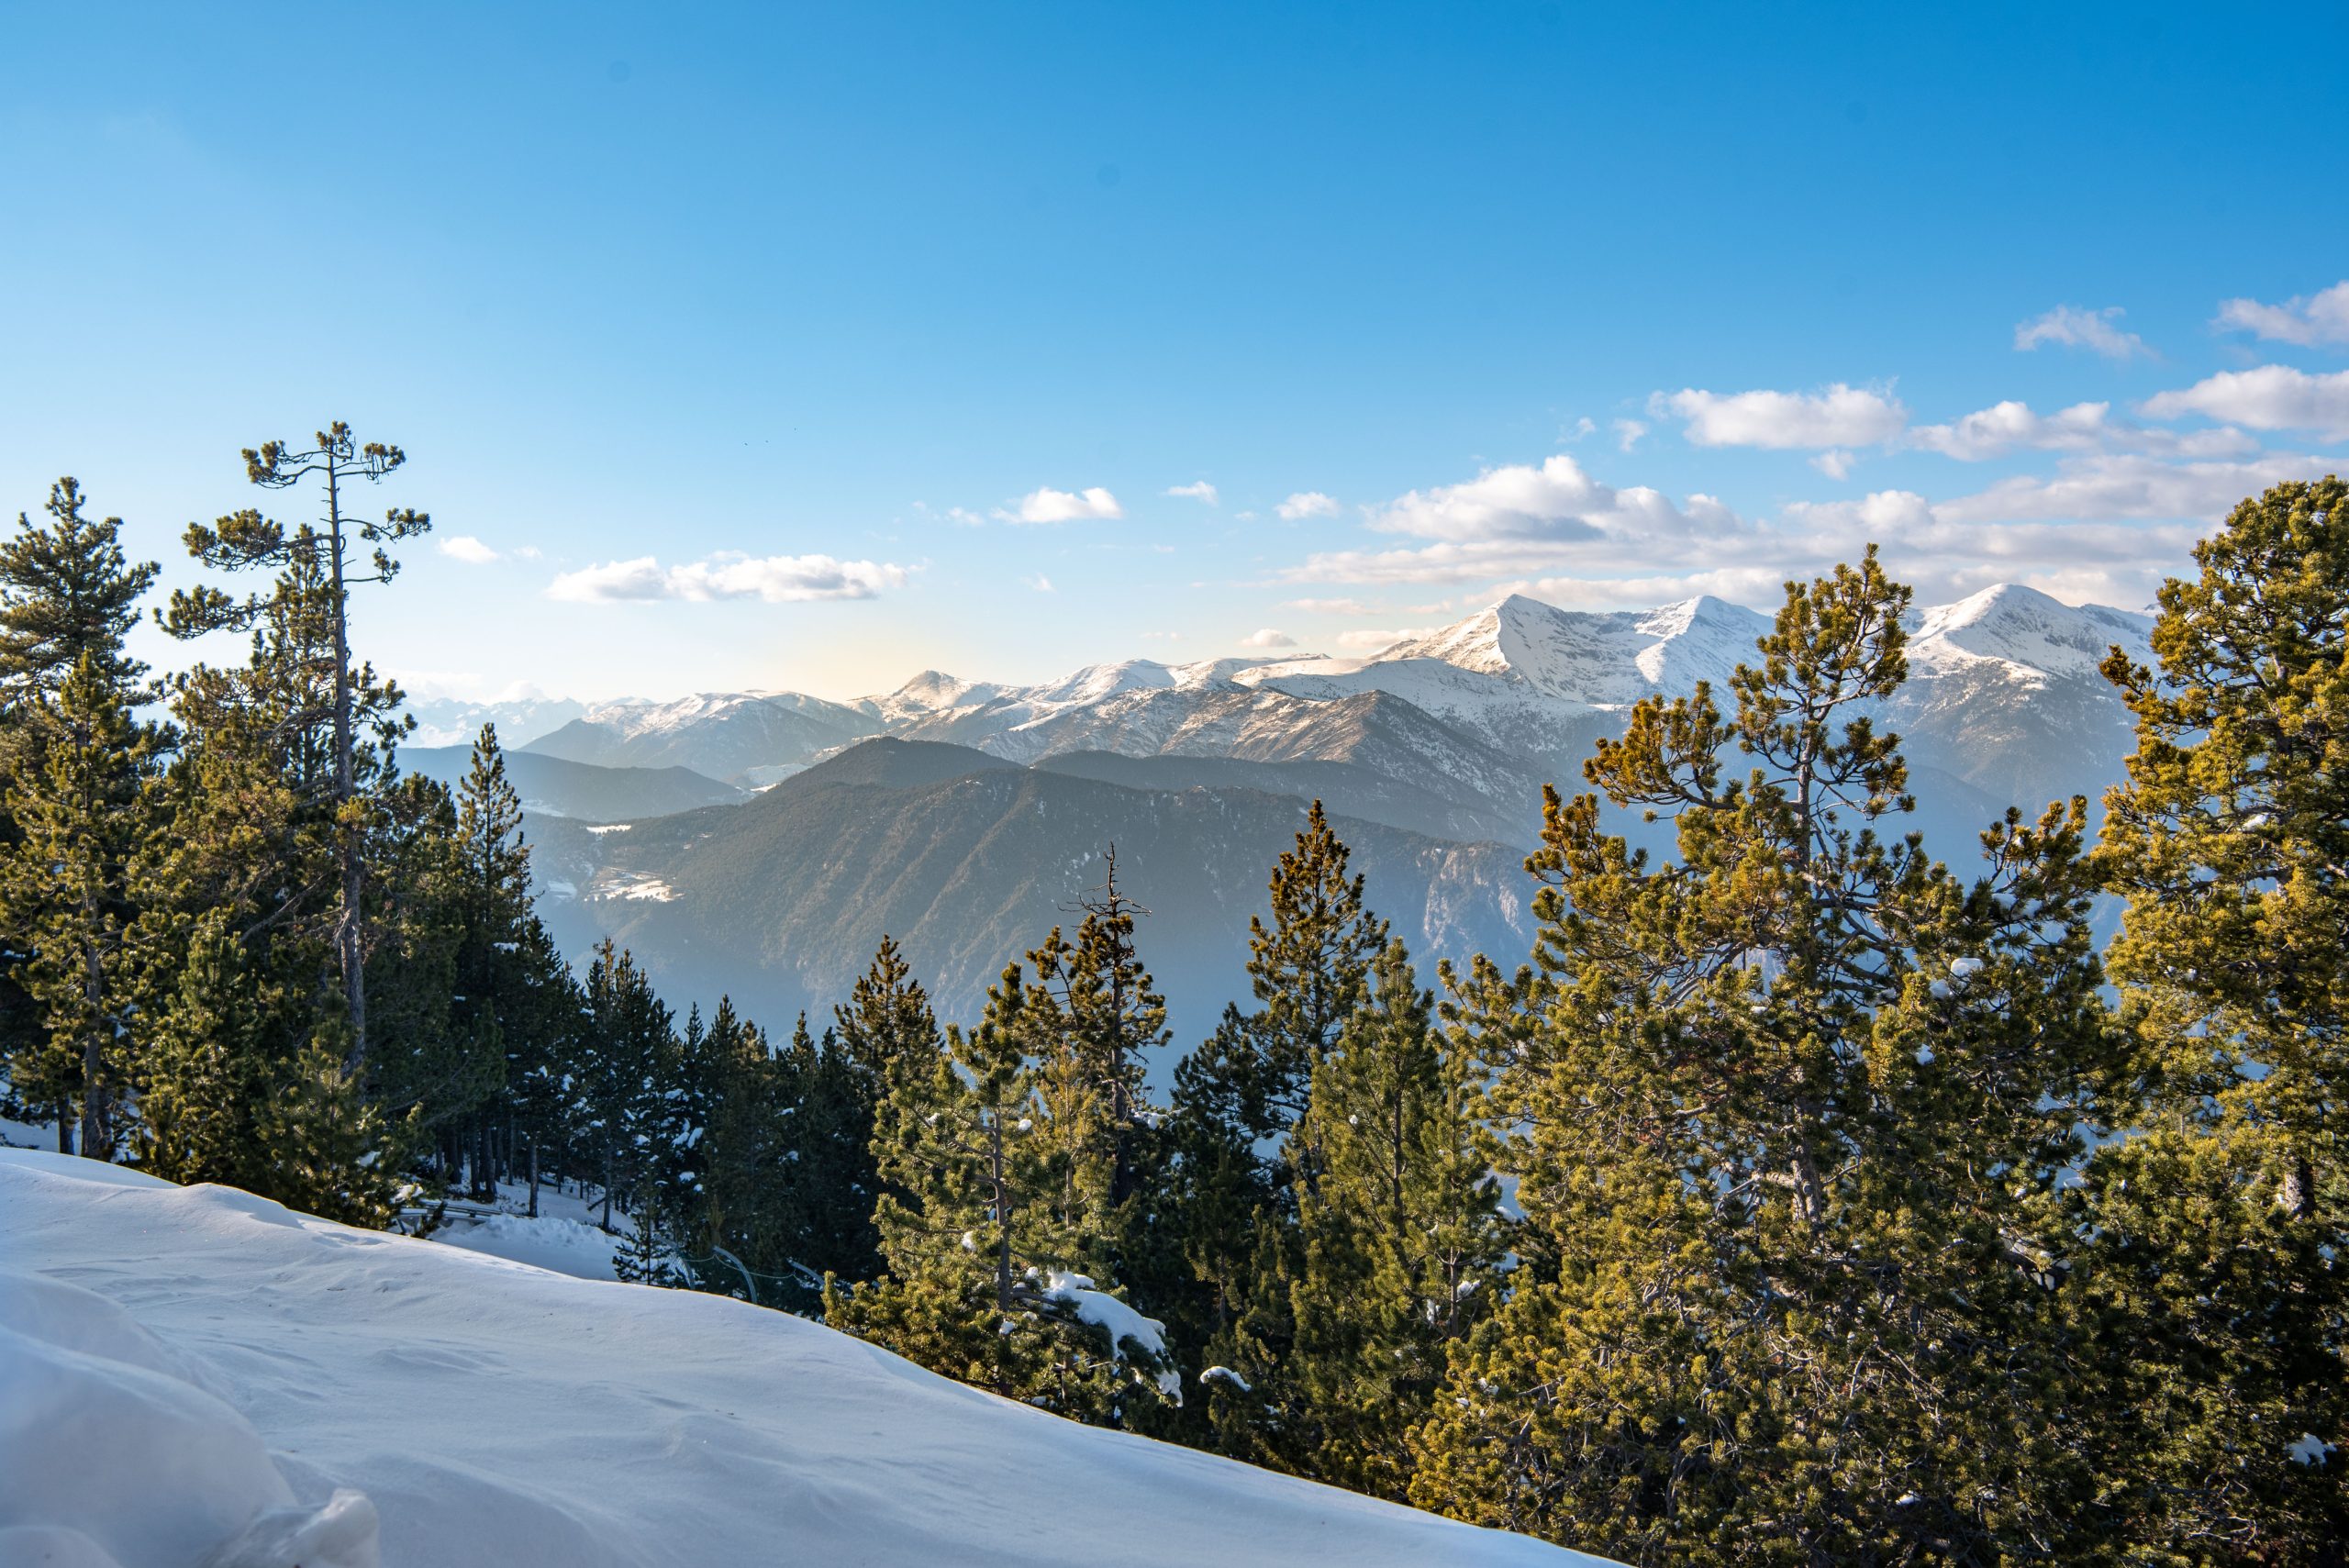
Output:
x,y
314,569
75,763
1003,1161
79,799
1402,1247
1230,1248
2220,1264
1790,1117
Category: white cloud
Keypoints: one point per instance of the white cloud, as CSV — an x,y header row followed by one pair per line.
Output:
x,y
1268,637
1046,505
1202,491
2083,427
777,579
1331,607
1555,501
1372,642
2073,328
2271,398
1628,432
2128,485
527,553
1835,464
1745,585
2305,319
1308,503
1836,415
467,549
1041,584
1579,429
2003,426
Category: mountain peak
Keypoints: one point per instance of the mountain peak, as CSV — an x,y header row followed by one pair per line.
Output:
x,y
2019,625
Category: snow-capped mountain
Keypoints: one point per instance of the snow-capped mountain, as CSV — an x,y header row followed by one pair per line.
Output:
x,y
2004,693
2033,637
729,736
454,721
1434,752
1528,678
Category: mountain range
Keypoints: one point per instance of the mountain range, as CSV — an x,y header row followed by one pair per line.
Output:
x,y
965,817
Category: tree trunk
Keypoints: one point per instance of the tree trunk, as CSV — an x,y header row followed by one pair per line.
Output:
x,y
534,1178
97,1132
348,950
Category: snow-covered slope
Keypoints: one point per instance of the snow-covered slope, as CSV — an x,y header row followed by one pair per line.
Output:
x,y
175,1360
2033,636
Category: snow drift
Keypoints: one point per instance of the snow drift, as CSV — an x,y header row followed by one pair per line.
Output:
x,y
194,1377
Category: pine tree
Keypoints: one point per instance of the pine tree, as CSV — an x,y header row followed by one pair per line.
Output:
x,y
261,831
886,1028
1308,970
67,593
497,1005
68,597
221,1099
1234,1157
998,1224
1402,1242
319,564
887,1021
1789,1117
2222,1226
84,819
626,1060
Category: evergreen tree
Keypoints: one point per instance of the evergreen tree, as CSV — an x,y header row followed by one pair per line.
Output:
x,y
68,597
1790,1117
83,820
262,830
319,565
68,593
2220,1264
998,1223
496,1004
1235,1159
886,1029
1308,969
1402,1242
628,1059
887,1022
749,1218
222,1100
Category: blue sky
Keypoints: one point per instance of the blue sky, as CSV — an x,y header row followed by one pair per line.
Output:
x,y
731,344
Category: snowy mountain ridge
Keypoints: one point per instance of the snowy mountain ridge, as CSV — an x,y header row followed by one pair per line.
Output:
x,y
2035,636
1517,689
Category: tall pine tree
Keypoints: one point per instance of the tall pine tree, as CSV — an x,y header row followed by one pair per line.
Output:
x,y
76,764
1790,1117
2220,1266
1402,1243
326,560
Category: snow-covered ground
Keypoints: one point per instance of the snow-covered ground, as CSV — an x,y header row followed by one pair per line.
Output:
x,y
193,1377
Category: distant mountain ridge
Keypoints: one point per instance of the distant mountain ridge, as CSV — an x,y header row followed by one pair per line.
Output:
x,y
968,860
553,787
963,817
